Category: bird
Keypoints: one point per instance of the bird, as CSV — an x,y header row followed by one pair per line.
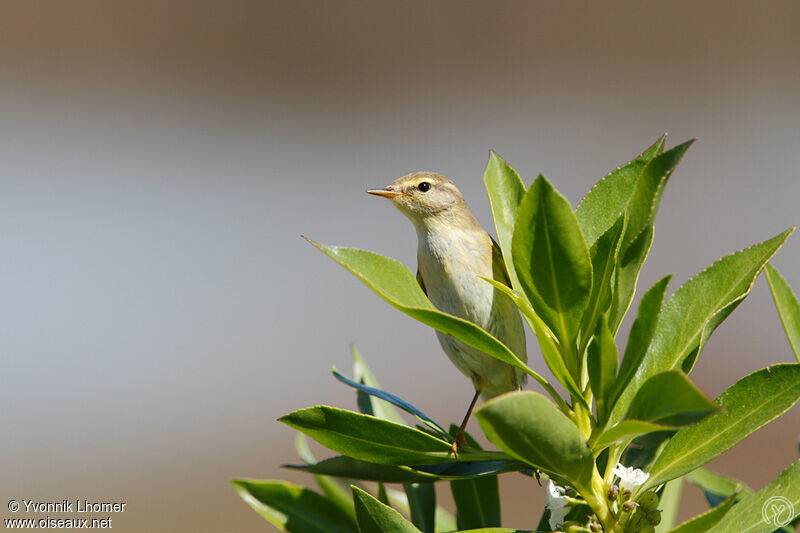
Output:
x,y
453,253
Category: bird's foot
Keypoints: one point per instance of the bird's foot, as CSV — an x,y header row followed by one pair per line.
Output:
x,y
459,443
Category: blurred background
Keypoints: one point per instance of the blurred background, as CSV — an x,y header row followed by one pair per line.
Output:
x,y
159,161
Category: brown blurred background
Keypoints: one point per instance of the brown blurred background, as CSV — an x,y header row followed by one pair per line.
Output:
x,y
159,161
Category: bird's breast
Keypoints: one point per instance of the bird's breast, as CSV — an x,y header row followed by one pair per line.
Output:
x,y
450,265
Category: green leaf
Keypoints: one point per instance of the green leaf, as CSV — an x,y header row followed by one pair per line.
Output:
x,y
703,522
367,404
375,517
697,307
395,284
293,508
670,398
716,487
527,426
368,438
629,265
749,513
422,505
477,502
549,346
604,262
647,191
552,260
602,366
668,504
788,308
347,467
607,200
336,489
445,522
746,406
627,429
505,189
640,336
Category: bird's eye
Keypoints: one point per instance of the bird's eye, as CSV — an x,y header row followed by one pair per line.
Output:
x,y
424,186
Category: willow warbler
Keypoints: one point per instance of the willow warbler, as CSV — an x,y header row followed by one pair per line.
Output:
x,y
453,251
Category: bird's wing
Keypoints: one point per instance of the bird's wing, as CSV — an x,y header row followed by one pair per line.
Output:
x,y
499,270
421,282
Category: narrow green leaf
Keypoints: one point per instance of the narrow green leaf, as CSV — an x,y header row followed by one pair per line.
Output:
x,y
693,311
336,489
670,398
396,285
477,502
640,337
368,438
552,260
375,517
716,487
445,521
778,502
604,263
367,404
293,508
549,346
527,426
607,200
629,266
788,308
668,504
647,191
422,505
746,406
505,190
627,429
347,467
602,366
705,521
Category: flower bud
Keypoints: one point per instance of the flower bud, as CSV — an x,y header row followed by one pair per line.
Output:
x,y
648,500
629,506
613,493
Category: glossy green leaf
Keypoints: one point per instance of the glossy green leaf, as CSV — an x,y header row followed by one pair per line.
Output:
x,y
640,336
477,502
716,487
705,521
779,501
445,521
422,505
336,489
629,265
604,262
368,438
788,308
669,503
670,398
505,190
347,467
552,260
293,508
627,430
375,517
607,200
746,406
697,307
395,284
367,404
647,191
601,363
549,346
527,426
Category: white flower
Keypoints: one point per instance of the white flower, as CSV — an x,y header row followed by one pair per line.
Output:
x,y
630,477
557,503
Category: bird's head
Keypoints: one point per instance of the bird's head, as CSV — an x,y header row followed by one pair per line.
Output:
x,y
422,195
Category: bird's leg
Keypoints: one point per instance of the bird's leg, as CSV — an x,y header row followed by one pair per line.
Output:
x,y
460,441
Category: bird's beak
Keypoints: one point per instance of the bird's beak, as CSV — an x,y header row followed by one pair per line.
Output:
x,y
386,193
